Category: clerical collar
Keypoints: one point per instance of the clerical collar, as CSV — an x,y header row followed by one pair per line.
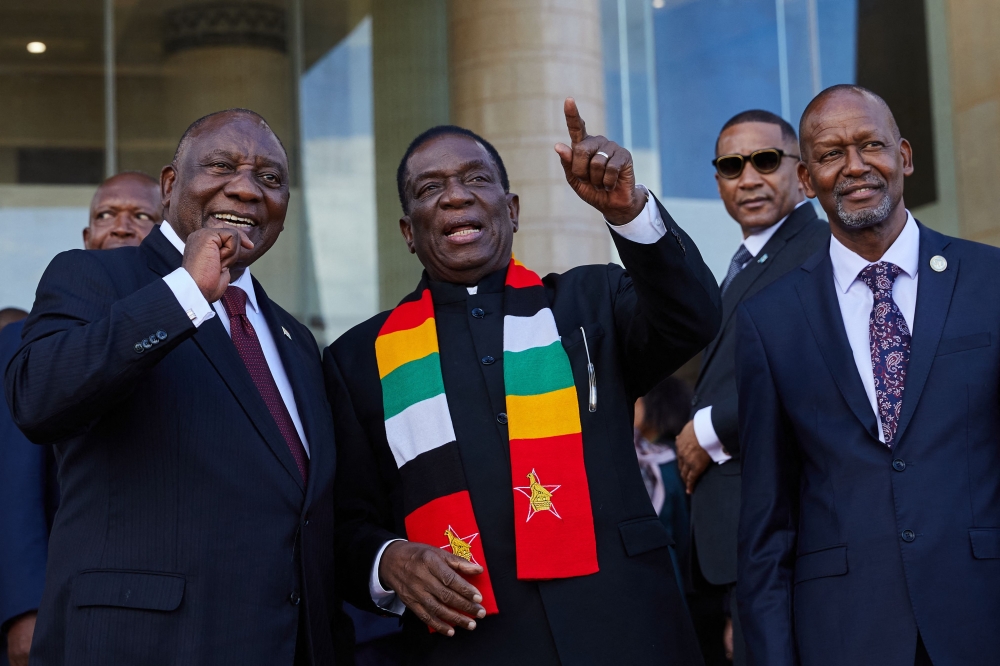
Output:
x,y
447,292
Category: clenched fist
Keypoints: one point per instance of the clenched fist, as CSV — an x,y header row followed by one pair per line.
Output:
x,y
209,254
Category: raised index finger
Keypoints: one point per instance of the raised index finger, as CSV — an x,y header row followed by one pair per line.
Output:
x,y
574,123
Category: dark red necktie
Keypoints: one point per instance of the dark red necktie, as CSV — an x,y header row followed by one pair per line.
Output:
x,y
248,346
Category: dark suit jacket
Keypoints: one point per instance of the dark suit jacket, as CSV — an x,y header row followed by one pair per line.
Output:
x,y
185,535
847,548
715,504
639,329
28,499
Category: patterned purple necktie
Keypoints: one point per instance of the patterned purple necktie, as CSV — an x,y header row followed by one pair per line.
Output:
x,y
248,346
890,345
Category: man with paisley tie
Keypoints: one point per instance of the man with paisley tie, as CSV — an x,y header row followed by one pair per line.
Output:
x,y
869,385
491,491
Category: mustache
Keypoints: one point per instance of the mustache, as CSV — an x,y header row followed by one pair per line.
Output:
x,y
844,185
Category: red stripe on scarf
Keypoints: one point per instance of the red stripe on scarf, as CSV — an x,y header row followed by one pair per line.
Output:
x,y
560,543
428,524
519,277
409,315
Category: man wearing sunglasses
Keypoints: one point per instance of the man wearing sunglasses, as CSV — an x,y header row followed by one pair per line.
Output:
x,y
755,168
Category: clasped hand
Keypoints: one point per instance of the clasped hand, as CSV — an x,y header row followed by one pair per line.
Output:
x,y
209,254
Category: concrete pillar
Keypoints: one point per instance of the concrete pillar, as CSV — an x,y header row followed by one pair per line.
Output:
x,y
512,63
410,94
975,107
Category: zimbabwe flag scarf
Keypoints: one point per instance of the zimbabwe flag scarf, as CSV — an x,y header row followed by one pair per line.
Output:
x,y
553,522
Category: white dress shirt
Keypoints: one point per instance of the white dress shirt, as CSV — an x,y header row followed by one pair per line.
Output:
x,y
704,431
646,229
856,298
186,290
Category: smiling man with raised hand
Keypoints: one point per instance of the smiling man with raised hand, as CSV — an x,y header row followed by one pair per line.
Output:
x,y
869,384
489,482
195,444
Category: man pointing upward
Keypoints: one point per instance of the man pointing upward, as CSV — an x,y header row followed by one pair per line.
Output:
x,y
494,494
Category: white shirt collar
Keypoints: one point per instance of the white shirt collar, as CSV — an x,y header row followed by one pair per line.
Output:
x,y
755,242
904,252
243,282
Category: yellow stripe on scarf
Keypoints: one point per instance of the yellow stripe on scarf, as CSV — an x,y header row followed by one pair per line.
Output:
x,y
545,415
401,347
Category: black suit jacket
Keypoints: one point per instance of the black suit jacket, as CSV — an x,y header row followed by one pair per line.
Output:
x,y
639,329
715,504
185,535
849,548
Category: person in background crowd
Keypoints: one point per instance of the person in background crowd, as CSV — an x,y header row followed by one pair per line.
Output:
x,y
659,417
756,169
869,424
484,423
194,440
122,213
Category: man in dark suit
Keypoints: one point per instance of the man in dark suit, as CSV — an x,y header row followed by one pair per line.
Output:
x,y
756,160
869,426
195,445
122,213
480,485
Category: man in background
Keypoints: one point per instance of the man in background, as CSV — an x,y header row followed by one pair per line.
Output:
x,y
123,211
756,171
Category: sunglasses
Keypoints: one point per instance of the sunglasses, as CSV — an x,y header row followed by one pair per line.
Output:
x,y
766,160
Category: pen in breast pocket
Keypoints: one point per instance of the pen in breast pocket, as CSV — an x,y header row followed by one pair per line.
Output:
x,y
591,375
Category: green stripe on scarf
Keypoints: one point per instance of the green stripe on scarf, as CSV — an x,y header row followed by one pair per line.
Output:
x,y
411,383
537,370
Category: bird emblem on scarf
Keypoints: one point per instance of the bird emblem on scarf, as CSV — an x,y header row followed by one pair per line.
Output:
x,y
460,546
539,496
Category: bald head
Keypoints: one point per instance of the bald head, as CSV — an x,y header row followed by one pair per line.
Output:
x,y
197,126
123,211
854,161
10,316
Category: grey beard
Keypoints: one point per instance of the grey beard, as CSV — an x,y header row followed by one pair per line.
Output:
x,y
865,218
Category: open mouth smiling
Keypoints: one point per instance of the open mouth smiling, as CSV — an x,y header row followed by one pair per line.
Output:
x,y
235,220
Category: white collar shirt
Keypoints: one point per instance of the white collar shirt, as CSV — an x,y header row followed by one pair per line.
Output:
x,y
856,300
260,326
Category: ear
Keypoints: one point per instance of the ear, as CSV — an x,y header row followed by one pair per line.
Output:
x,y
514,210
168,176
406,228
718,183
906,150
86,237
805,180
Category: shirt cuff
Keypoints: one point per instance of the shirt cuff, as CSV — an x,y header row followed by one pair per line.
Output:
x,y
189,296
707,439
647,227
383,598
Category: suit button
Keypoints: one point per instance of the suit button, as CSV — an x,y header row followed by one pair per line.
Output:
x,y
155,340
908,536
162,335
694,400
146,344
488,360
502,418
478,313
294,598
898,465
139,348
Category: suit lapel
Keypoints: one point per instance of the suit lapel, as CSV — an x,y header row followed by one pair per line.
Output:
x,y
822,309
934,292
163,258
795,223
296,366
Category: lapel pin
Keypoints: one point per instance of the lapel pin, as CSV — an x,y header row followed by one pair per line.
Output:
x,y
938,263
285,331
762,259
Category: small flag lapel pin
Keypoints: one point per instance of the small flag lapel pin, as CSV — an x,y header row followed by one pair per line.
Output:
x,y
285,331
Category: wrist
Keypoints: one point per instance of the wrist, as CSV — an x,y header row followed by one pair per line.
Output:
x,y
640,197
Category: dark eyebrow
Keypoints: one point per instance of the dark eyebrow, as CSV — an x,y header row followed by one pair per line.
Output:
x,y
464,166
236,157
